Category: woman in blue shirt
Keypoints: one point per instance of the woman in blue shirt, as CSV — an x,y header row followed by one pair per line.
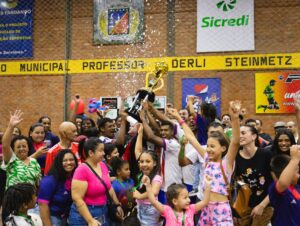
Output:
x,y
55,190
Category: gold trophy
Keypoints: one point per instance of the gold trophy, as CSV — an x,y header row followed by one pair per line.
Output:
x,y
146,93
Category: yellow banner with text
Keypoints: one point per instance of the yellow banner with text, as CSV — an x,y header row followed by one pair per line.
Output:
x,y
199,63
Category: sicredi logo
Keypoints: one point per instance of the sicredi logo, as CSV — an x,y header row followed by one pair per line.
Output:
x,y
225,6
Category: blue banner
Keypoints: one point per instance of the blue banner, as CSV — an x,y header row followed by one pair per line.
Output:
x,y
206,89
16,28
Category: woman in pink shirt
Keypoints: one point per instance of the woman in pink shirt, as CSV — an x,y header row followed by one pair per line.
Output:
x,y
88,192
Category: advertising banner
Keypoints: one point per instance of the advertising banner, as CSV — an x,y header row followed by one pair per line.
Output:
x,y
206,89
225,25
275,91
15,29
118,21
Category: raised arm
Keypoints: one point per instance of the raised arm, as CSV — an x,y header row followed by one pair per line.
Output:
x,y
188,132
157,114
120,140
234,109
190,105
72,114
157,205
182,159
148,131
287,174
139,142
15,119
297,111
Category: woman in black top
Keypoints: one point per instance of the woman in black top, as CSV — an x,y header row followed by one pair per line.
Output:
x,y
253,167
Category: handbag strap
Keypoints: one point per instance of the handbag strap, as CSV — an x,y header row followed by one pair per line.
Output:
x,y
226,180
106,189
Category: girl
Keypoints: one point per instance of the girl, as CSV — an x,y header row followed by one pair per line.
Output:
x,y
149,166
55,189
110,151
219,159
123,184
18,199
283,140
179,212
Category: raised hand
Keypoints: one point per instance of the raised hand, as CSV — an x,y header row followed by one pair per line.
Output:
x,y
295,152
174,113
297,101
234,108
15,118
146,180
141,128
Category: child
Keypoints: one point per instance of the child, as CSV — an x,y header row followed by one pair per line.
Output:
x,y
149,165
18,199
110,151
179,212
123,184
219,157
284,193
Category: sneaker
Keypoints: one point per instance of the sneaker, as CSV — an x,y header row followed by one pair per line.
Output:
x,y
193,192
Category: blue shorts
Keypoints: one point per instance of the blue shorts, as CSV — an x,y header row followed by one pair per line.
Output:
x,y
98,212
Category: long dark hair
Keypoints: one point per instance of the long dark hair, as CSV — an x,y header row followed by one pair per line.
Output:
x,y
253,131
15,196
275,147
57,169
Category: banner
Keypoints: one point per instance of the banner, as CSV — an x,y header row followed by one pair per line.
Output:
x,y
118,21
225,25
275,92
15,29
206,89
189,63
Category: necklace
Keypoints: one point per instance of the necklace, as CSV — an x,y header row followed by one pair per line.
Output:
x,y
183,217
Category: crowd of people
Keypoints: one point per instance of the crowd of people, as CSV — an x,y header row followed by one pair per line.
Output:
x,y
177,167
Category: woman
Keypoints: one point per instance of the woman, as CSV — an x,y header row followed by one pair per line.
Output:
x,y
18,166
283,140
49,136
86,124
55,190
253,168
88,192
38,148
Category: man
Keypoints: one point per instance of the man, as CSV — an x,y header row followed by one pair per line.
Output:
x,y
171,171
184,114
279,125
67,133
258,126
293,128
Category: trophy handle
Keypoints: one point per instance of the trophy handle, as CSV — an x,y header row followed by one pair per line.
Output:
x,y
158,77
161,85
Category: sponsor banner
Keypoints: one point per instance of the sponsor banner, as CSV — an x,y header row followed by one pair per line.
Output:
x,y
229,62
118,21
275,92
205,89
15,29
225,25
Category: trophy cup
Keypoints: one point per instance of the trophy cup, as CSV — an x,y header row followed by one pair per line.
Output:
x,y
147,93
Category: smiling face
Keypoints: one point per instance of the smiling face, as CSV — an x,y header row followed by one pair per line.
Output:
x,y
68,162
47,124
284,143
21,149
109,129
98,154
183,200
166,132
246,136
37,134
146,163
214,149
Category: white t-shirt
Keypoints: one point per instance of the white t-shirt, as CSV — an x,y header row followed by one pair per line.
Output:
x,y
188,172
106,140
172,170
195,157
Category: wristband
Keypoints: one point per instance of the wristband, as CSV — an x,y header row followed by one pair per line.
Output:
x,y
181,122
